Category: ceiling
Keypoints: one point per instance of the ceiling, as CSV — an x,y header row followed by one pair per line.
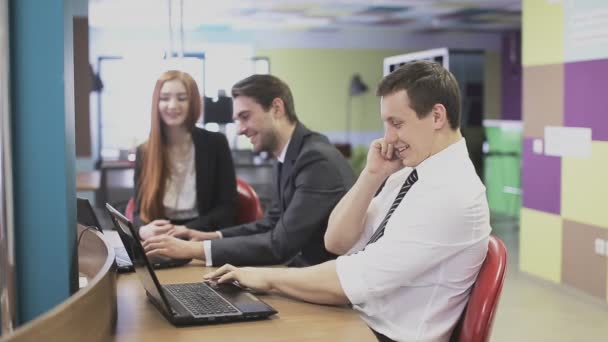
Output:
x,y
316,15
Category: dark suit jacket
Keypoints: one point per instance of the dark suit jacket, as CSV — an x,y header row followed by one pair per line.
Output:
x,y
216,194
314,178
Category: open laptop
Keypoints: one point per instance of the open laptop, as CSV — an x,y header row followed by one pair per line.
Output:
x,y
191,303
86,216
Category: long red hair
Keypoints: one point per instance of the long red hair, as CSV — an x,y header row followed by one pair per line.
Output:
x,y
155,165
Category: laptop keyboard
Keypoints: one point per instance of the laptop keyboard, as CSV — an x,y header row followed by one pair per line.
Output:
x,y
200,299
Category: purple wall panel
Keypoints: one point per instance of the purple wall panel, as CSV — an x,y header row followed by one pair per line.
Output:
x,y
511,76
541,180
586,96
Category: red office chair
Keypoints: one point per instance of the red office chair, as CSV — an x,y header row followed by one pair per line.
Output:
x,y
475,324
129,209
250,208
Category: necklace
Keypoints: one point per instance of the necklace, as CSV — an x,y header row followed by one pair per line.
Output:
x,y
181,163
182,150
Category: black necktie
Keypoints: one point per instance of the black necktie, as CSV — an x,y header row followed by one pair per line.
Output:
x,y
279,169
411,179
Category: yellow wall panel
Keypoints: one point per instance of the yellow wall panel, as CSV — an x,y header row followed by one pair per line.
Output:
x,y
540,250
542,32
584,187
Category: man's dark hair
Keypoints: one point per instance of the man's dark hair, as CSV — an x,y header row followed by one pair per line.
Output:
x,y
263,89
426,83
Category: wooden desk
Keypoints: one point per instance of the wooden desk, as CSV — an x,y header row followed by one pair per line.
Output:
x,y
88,181
138,319
87,315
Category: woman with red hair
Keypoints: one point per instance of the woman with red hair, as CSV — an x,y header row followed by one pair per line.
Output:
x,y
184,175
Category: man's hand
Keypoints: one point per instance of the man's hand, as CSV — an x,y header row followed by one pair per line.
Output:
x,y
156,227
255,279
382,159
195,235
184,232
172,247
180,232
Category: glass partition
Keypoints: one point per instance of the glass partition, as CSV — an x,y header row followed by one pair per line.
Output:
x,y
502,154
127,93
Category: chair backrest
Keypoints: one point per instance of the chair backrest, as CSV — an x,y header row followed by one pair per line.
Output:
x,y
129,209
250,208
475,324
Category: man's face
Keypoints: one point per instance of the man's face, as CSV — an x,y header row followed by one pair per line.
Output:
x,y
255,123
412,137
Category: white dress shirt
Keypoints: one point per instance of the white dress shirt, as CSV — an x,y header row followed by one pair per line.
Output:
x,y
413,283
179,201
207,243
281,156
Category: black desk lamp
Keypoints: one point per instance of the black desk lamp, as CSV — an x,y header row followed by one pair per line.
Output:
x,y
356,88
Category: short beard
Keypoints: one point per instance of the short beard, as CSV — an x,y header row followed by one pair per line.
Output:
x,y
269,141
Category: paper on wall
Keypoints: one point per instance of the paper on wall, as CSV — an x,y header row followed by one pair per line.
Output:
x,y
568,141
537,146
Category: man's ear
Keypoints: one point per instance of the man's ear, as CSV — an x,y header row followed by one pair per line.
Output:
x,y
278,108
440,116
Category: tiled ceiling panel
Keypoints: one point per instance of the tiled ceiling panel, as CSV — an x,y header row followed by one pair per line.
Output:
x,y
408,15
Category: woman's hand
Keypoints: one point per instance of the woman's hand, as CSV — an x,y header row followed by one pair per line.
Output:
x,y
156,227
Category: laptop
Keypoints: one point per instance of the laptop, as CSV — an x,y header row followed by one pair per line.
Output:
x,y
86,216
190,303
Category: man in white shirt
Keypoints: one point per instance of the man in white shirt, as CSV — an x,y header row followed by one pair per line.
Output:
x,y
410,254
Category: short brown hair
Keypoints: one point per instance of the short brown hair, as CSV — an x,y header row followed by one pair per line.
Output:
x,y
263,89
427,83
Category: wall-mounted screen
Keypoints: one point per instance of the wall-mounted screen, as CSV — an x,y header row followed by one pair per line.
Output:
x,y
439,55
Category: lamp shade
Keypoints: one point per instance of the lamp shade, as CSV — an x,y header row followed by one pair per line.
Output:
x,y
357,87
96,83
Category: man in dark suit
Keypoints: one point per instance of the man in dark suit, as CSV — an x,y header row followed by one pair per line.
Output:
x,y
311,177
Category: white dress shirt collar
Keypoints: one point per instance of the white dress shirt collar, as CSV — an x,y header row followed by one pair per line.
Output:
x,y
281,157
443,160
435,164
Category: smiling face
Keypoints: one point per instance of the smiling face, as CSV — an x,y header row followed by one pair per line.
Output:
x,y
173,103
412,137
255,123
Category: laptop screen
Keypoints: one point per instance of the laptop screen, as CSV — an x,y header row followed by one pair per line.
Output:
x,y
85,214
142,266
